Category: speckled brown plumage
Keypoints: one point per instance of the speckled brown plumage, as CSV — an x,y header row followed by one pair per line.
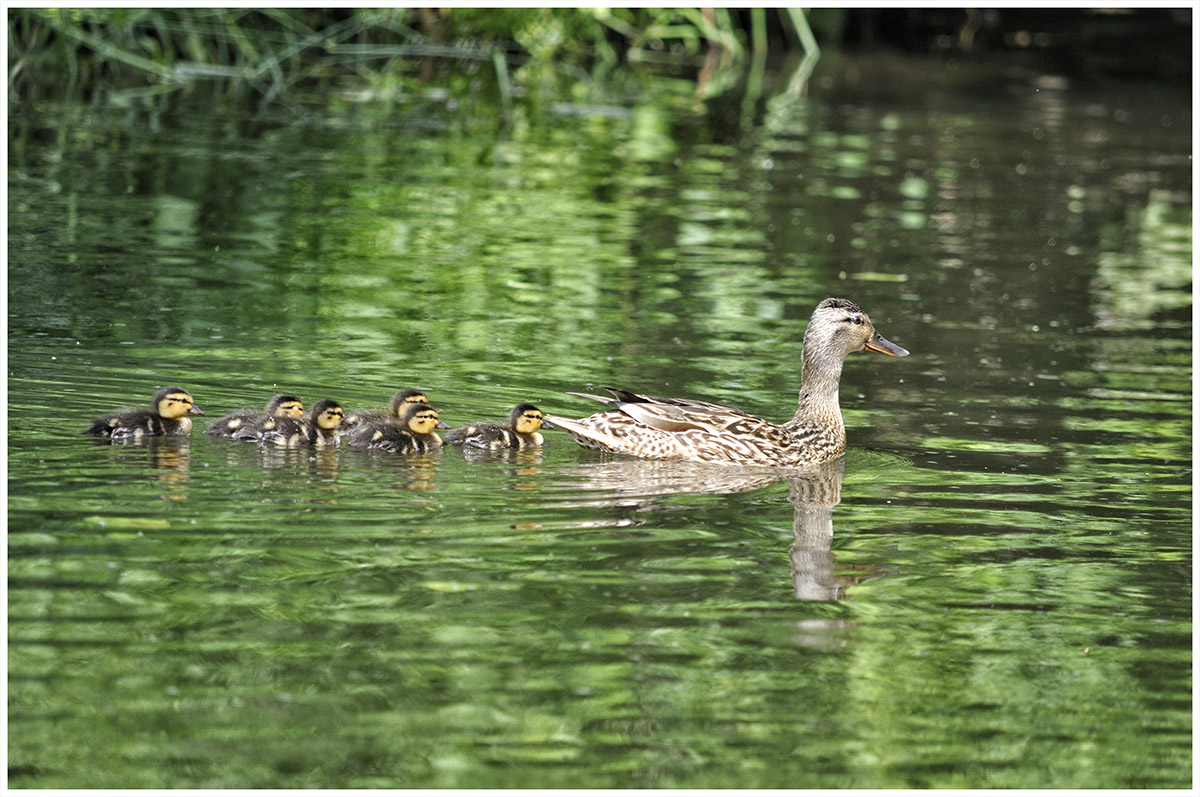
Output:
x,y
654,427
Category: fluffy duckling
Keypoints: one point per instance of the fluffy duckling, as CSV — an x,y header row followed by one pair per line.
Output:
x,y
413,434
400,401
168,415
524,421
241,425
320,428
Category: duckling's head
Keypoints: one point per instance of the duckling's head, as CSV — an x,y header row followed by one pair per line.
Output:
x,y
405,399
421,419
174,403
839,327
327,414
527,419
285,405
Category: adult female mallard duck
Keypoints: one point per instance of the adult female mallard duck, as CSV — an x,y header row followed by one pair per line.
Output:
x,y
524,421
168,415
400,401
413,433
320,428
699,431
241,425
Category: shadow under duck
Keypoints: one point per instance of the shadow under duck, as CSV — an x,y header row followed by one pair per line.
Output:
x,y
168,415
654,427
413,433
524,421
241,425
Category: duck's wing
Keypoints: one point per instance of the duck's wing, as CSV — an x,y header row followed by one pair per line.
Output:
x,y
683,403
673,414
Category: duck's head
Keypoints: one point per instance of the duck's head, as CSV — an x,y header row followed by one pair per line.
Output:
x,y
527,419
285,405
327,414
405,399
421,419
174,403
839,327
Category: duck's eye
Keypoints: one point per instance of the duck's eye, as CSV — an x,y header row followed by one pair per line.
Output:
x,y
855,319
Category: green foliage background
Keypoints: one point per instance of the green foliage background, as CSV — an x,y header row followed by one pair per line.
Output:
x,y
270,50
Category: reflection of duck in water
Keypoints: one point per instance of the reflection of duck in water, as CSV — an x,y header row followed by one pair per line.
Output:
x,y
812,492
641,482
815,574
813,496
168,415
653,427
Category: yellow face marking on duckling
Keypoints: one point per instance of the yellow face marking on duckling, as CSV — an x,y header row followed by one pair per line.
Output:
x,y
176,405
529,422
424,422
331,418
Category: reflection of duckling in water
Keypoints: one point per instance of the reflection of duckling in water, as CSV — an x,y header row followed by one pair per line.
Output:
x,y
400,401
320,428
412,434
524,421
241,425
698,431
168,415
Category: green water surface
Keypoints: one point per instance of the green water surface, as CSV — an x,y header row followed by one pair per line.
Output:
x,y
993,589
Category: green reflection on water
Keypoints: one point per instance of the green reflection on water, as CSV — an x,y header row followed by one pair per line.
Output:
x,y
999,599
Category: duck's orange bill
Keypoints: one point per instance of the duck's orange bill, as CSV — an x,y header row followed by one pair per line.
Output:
x,y
883,346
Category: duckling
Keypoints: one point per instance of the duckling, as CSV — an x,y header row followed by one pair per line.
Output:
x,y
320,428
413,434
653,427
168,415
399,402
241,425
521,432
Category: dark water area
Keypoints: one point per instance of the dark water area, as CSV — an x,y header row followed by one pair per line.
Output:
x,y
992,590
